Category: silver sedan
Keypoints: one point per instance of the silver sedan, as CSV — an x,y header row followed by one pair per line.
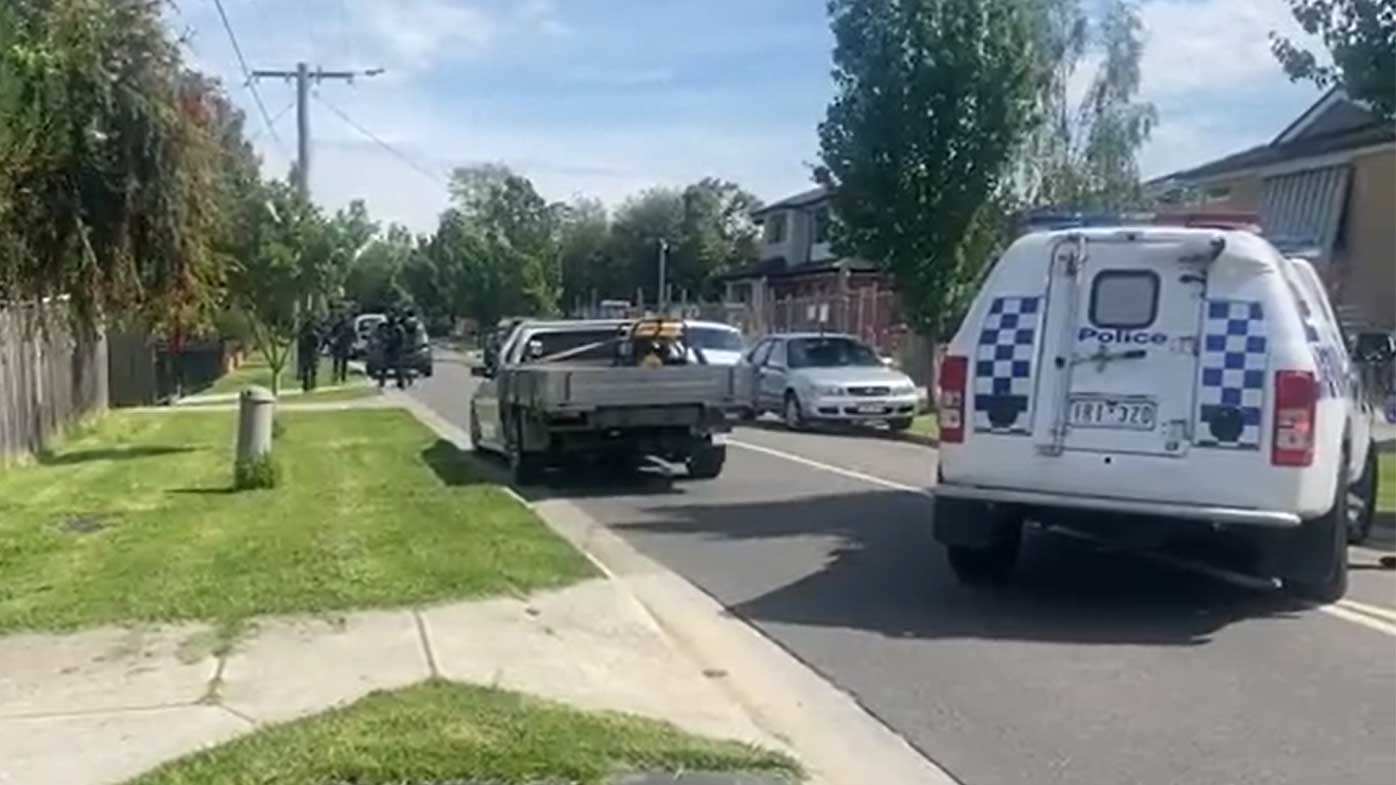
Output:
x,y
809,377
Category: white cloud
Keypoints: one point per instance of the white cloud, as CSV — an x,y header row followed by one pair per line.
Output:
x,y
1213,46
542,15
419,33
1208,68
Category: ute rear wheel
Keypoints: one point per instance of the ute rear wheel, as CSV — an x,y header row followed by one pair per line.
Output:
x,y
525,467
706,462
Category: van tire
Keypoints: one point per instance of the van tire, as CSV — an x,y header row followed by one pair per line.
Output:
x,y
1365,489
899,424
1321,572
982,541
983,566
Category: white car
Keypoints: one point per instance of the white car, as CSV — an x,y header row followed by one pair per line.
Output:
x,y
818,377
364,325
1180,383
721,344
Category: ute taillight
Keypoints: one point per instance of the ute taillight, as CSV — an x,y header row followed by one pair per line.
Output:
x,y
954,371
1296,397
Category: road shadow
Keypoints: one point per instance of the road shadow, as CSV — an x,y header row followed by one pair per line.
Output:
x,y
884,574
600,480
574,481
110,454
841,431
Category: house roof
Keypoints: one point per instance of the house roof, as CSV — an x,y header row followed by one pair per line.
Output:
x,y
1333,124
802,199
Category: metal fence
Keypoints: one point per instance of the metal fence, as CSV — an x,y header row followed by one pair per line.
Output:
x,y
51,375
871,314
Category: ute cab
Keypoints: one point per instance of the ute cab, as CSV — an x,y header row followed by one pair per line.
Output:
x,y
1165,380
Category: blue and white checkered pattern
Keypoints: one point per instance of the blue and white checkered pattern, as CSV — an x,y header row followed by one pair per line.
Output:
x,y
1003,379
1235,356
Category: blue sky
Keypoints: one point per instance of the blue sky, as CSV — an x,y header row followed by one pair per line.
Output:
x,y
608,97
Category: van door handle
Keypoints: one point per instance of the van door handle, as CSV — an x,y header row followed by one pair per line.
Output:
x,y
1060,362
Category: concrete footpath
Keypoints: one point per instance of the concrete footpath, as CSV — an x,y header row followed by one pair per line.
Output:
x,y
103,705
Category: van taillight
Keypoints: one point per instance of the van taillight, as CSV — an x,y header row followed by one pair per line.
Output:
x,y
953,373
1296,395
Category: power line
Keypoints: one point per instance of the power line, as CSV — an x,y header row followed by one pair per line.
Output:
x,y
374,137
246,72
276,118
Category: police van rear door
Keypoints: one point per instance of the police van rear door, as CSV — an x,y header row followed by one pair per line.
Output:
x,y
1122,372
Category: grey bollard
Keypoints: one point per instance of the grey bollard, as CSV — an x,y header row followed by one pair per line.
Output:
x,y
256,406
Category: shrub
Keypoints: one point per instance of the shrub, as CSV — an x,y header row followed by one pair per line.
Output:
x,y
256,473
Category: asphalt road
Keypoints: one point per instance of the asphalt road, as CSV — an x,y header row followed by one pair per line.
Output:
x,y
1092,667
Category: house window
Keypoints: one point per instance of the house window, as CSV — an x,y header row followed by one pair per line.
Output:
x,y
1213,194
775,228
821,225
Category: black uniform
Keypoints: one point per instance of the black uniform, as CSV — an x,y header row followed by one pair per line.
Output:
x,y
308,354
341,346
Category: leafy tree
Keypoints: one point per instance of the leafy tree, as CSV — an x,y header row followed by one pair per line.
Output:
x,y
717,232
584,237
346,236
375,280
932,99
513,245
112,193
707,225
1083,157
1360,35
268,281
641,222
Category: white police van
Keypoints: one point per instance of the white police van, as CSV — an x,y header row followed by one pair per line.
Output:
x,y
1173,382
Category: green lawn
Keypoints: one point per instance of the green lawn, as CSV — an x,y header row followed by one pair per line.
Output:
x,y
255,371
354,391
925,425
438,732
133,521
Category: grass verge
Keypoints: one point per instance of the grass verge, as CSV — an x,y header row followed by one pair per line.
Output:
x,y
135,520
356,390
256,372
443,732
925,426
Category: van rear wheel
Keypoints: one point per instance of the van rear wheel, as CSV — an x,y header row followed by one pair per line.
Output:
x,y
1320,569
706,463
982,541
982,566
1362,500
525,467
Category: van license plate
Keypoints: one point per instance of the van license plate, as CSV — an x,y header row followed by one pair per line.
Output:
x,y
1127,414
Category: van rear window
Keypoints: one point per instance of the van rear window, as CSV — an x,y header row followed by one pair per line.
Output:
x,y
1125,299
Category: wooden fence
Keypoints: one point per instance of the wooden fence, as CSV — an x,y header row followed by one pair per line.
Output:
x,y
50,377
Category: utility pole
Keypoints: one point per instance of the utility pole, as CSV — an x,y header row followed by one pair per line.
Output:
x,y
663,299
304,76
